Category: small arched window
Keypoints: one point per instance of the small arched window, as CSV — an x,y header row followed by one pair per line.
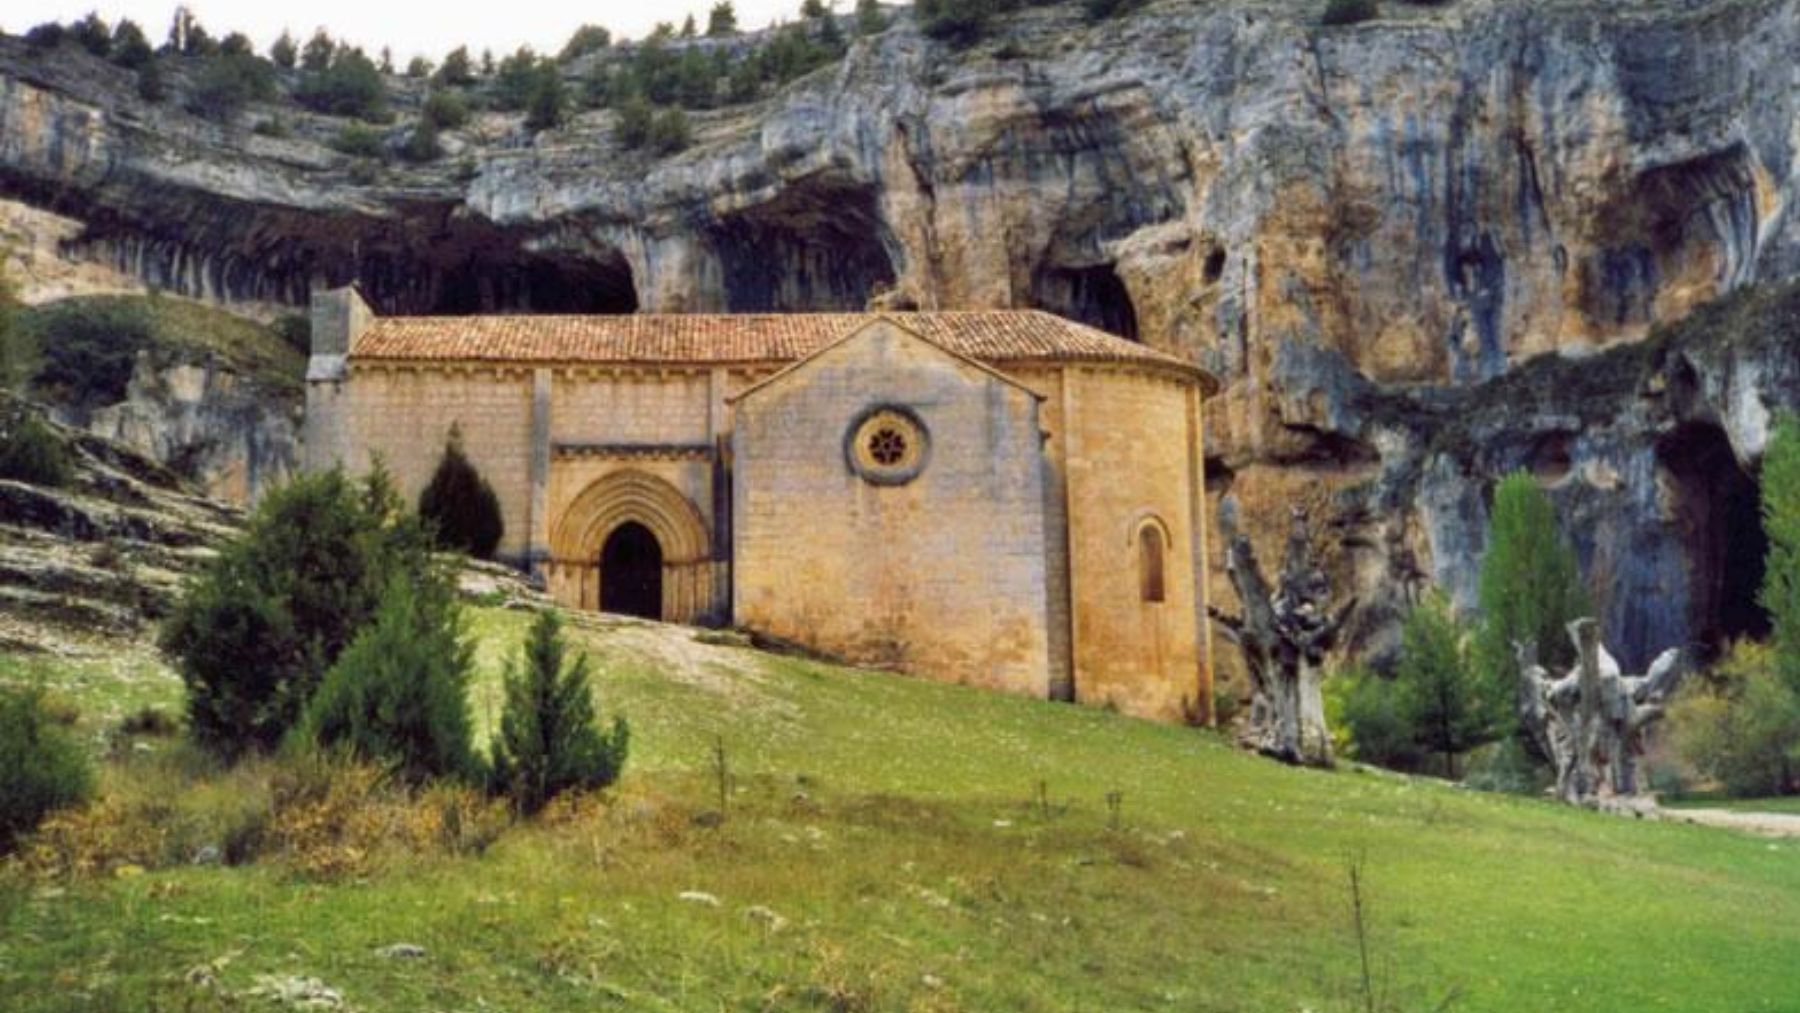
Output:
x,y
1150,563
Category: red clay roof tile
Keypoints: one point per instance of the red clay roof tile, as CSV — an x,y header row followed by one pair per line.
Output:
x,y
709,339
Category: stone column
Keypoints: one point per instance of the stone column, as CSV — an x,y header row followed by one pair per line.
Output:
x,y
537,546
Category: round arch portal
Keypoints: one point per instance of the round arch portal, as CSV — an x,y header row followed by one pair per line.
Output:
x,y
633,510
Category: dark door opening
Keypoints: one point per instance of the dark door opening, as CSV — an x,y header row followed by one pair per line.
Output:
x,y
631,566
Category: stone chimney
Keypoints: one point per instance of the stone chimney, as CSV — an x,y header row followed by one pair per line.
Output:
x,y
339,317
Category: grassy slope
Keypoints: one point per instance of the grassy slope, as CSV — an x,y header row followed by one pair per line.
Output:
x,y
189,331
915,874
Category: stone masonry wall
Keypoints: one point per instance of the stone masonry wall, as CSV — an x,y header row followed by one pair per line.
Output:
x,y
944,575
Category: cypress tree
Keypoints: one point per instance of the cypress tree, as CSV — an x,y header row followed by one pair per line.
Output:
x,y
460,505
550,740
1530,586
1781,520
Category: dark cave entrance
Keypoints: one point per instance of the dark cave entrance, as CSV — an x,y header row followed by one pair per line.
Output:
x,y
462,275
631,566
1094,295
1719,521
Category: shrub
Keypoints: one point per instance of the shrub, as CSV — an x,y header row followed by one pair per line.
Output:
x,y
1530,587
446,109
41,767
89,347
295,331
550,741
274,126
548,105
517,79
130,49
587,39
228,83
633,127
458,70
1349,12
399,693
350,86
93,35
422,144
30,451
721,21
46,36
359,141
956,21
1780,593
1743,729
253,635
460,505
283,52
150,85
1366,706
869,19
1100,10
669,132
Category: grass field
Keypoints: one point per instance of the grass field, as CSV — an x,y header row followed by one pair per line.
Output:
x,y
893,844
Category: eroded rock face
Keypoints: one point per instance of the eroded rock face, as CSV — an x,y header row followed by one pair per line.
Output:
x,y
1363,231
231,435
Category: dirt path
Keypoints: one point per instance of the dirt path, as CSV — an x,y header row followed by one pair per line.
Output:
x,y
1768,824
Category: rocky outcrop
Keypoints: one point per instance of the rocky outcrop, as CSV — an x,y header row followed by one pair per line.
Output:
x,y
1365,231
103,556
233,435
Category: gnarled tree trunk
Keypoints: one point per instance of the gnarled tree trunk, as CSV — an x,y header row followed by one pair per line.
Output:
x,y
1592,721
1284,636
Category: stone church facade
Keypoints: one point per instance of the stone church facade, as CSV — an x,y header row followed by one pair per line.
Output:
x,y
1005,499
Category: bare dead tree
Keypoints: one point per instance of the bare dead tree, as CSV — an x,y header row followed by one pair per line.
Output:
x,y
1284,634
1592,721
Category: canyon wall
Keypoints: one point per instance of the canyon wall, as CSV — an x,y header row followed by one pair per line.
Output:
x,y
1365,231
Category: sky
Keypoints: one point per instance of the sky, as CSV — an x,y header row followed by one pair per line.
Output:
x,y
410,27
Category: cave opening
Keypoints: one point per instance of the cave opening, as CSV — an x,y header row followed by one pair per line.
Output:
x,y
1094,295
1718,518
514,282
822,245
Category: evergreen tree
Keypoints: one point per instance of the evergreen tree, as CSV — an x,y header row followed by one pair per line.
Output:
x,y
689,29
1780,594
229,82
386,64
550,740
422,144
418,68
1530,587
1448,708
399,693
458,70
350,86
445,109
42,767
517,80
869,18
319,51
284,53
150,85
669,132
45,37
254,634
460,505
633,127
549,102
237,44
93,35
722,22
130,49
587,39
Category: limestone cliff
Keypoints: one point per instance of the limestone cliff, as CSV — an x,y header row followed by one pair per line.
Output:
x,y
1340,222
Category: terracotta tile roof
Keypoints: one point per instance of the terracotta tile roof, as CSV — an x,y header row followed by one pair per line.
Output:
x,y
702,339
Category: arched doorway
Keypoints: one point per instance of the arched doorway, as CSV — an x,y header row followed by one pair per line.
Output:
x,y
593,527
631,572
